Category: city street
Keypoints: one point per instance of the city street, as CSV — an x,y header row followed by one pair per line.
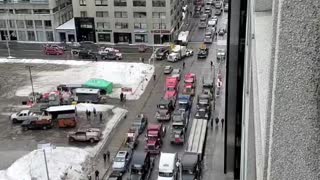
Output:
x,y
214,153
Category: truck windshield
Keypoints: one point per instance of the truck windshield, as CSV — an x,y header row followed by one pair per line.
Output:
x,y
170,89
136,170
187,171
165,174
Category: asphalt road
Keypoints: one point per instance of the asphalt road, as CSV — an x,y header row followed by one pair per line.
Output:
x,y
213,164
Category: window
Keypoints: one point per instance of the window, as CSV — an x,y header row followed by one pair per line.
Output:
x,y
121,25
22,36
86,25
139,14
141,38
120,2
83,13
161,15
47,24
49,35
29,24
103,25
140,26
104,37
38,24
20,24
11,24
31,36
120,14
40,36
139,3
158,3
23,11
83,2
55,9
101,2
41,11
159,26
3,24
102,14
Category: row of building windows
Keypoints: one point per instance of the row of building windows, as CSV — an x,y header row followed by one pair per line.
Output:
x,y
125,25
25,11
136,3
29,24
124,14
29,35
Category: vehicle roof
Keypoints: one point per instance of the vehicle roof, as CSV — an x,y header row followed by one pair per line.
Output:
x,y
25,111
87,90
154,126
176,70
61,108
139,157
121,154
167,161
164,101
184,97
189,159
167,67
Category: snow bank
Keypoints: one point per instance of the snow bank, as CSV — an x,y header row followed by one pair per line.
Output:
x,y
130,75
63,162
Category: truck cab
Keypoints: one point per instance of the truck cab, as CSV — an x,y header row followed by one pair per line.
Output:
x,y
184,102
155,133
22,116
165,108
178,127
190,166
203,102
177,53
171,88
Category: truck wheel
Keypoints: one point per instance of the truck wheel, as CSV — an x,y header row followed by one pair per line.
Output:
x,y
117,59
91,140
44,127
25,128
14,120
71,139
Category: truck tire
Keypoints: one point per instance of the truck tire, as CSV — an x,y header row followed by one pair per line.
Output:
x,y
91,140
71,139
25,129
44,127
15,120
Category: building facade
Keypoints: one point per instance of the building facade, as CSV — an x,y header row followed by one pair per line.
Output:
x,y
34,20
127,21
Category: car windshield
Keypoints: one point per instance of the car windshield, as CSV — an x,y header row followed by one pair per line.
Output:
x,y
177,127
170,89
119,159
165,174
176,117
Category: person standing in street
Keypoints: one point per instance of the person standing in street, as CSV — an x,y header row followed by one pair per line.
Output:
x,y
97,174
183,65
121,96
217,120
100,116
87,114
108,155
105,157
211,63
94,112
154,77
222,121
211,122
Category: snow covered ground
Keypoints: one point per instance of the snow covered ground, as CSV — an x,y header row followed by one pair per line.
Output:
x,y
130,75
63,162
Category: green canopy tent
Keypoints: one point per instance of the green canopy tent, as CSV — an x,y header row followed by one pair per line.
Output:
x,y
99,84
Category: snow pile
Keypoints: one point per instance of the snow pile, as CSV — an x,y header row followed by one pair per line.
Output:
x,y
129,75
63,163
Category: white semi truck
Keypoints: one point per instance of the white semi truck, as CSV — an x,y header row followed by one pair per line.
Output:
x,y
183,37
177,53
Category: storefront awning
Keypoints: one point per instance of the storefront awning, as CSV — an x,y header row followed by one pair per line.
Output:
x,y
69,25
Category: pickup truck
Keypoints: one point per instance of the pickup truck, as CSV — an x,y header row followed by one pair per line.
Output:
x,y
22,116
37,124
90,134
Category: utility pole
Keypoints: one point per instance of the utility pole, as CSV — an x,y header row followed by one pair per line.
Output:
x,y
45,161
29,67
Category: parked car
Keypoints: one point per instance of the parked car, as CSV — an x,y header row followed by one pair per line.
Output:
x,y
218,4
53,51
86,54
122,160
22,116
221,55
111,56
140,123
162,53
90,134
168,69
105,50
63,48
115,176
37,124
189,52
176,73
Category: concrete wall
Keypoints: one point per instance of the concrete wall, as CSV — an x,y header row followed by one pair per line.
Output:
x,y
293,143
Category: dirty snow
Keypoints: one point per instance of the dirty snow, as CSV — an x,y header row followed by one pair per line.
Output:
x,y
131,75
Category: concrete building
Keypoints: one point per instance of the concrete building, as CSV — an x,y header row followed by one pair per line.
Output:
x,y
273,94
34,20
127,21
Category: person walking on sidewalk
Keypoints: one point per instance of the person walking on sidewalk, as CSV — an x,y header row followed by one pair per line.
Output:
x,y
217,121
121,96
222,121
100,116
108,155
183,65
97,174
94,112
154,77
104,157
211,122
211,63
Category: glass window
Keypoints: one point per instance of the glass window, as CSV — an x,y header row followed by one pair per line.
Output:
x,y
40,36
11,24
102,13
47,24
86,25
29,24
20,24
49,35
101,2
159,26
38,24
139,14
141,38
121,25
23,11
31,36
102,37
83,2
140,26
83,13
41,11
3,24
139,3
158,3
120,14
22,36
103,25
159,15
120,2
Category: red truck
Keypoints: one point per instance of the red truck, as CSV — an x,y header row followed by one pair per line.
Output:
x,y
155,133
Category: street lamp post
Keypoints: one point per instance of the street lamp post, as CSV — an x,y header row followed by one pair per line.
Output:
x,y
29,67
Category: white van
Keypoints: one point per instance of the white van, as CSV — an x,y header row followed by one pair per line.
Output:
x,y
168,169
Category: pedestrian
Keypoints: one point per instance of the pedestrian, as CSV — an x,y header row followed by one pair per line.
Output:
x,y
96,58
211,122
89,177
217,120
104,157
142,60
183,65
222,121
97,174
87,113
94,112
108,155
211,63
100,115
154,77
121,96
